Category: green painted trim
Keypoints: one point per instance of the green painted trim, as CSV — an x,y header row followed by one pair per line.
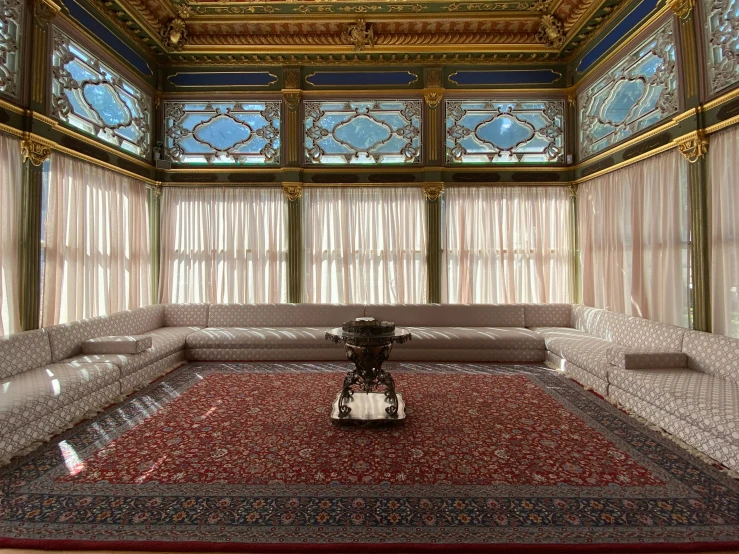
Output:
x,y
295,250
433,254
700,253
30,247
154,204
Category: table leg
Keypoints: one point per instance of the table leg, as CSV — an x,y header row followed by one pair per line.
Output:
x,y
368,375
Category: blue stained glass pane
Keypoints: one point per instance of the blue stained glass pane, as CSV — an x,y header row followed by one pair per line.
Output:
x,y
221,133
639,91
363,132
103,99
92,97
504,131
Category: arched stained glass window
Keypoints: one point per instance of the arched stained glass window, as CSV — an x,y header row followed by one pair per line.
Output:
x,y
221,133
89,95
504,131
366,132
636,93
10,34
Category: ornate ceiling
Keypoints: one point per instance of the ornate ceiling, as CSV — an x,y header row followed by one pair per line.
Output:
x,y
522,31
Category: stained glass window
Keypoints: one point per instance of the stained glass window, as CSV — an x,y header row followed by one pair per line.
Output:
x,y
636,93
366,132
10,29
89,95
504,131
723,42
223,132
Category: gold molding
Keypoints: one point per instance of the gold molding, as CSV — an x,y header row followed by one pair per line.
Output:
x,y
687,114
10,130
723,99
449,78
292,99
625,163
156,190
169,79
12,107
723,125
433,99
693,146
433,191
33,150
293,190
573,190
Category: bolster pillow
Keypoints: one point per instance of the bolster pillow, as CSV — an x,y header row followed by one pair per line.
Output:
x,y
646,359
131,344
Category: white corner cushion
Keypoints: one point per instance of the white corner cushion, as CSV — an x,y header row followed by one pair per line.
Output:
x,y
627,358
130,344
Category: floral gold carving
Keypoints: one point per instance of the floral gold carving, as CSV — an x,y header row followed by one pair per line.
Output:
x,y
292,99
360,34
433,191
156,190
433,77
551,31
433,99
693,147
35,151
44,12
293,191
291,77
175,33
681,8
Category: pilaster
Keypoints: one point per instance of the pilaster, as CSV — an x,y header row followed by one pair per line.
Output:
x,y
34,155
44,12
575,284
292,136
294,198
433,193
154,197
694,148
433,95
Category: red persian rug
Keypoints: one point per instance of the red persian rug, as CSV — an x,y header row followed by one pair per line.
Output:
x,y
243,457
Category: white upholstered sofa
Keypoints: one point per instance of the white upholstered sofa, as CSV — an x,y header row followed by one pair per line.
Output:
x,y
684,381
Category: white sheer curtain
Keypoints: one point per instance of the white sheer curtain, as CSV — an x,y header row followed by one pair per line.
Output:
x,y
10,205
635,240
507,244
96,255
724,186
221,245
365,245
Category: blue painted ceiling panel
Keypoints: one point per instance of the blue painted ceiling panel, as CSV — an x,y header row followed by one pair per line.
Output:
x,y
361,79
240,79
505,77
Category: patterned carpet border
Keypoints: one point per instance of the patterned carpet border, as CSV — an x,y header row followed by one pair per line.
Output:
x,y
696,510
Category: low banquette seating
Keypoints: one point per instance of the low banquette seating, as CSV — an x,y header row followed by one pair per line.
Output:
x,y
686,382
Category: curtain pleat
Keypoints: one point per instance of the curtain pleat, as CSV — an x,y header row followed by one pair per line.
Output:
x,y
96,255
634,227
365,245
10,206
724,205
507,244
223,245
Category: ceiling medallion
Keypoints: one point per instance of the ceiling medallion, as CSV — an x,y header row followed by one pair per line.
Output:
x,y
360,34
551,31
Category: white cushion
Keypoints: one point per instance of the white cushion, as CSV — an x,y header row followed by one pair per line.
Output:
x,y
452,338
259,337
127,344
627,358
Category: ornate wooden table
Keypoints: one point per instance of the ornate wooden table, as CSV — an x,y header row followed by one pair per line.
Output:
x,y
368,393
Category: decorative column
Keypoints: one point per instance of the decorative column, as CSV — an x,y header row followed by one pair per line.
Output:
x,y
433,193
433,93
294,193
292,135
44,12
34,154
154,197
694,147
685,13
575,286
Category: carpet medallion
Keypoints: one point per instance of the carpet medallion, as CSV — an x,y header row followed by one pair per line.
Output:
x,y
244,457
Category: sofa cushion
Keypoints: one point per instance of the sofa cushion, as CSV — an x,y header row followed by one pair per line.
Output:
x,y
185,315
258,337
139,321
714,354
710,402
282,315
641,333
126,344
24,351
627,358
603,324
579,348
42,390
448,315
66,339
164,342
547,315
473,338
